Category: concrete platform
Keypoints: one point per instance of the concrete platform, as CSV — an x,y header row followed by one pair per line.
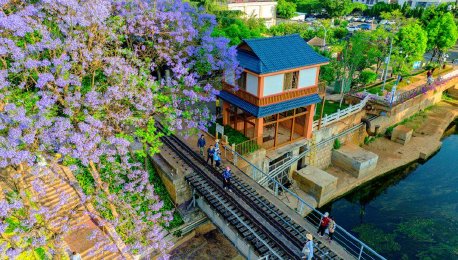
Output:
x,y
316,182
401,134
354,159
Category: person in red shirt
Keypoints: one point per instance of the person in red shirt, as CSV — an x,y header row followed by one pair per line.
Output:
x,y
323,224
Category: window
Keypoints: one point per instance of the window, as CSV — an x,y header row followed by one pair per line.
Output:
x,y
241,82
290,81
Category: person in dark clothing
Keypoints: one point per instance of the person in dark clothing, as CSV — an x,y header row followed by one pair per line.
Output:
x,y
227,175
217,158
201,144
323,224
428,74
210,152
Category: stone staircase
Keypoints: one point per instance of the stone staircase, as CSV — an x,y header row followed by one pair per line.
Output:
x,y
66,208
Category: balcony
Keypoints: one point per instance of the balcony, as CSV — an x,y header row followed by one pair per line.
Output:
x,y
287,95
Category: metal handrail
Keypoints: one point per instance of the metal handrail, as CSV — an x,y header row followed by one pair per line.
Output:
x,y
321,143
278,185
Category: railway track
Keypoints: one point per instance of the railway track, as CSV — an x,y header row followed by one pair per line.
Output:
x,y
257,220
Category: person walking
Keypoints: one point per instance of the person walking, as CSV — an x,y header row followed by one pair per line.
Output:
x,y
75,256
210,152
323,224
307,251
217,158
201,144
331,228
227,175
217,145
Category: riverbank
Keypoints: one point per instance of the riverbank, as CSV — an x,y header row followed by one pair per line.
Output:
x,y
426,140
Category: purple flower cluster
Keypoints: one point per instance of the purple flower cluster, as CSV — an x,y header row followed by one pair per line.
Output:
x,y
83,78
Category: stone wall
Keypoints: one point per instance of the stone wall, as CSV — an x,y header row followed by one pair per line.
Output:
x,y
173,180
412,106
321,157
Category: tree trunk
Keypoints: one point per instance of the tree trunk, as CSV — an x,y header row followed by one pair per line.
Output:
x,y
104,186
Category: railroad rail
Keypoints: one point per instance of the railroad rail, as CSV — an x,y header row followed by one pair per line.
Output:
x,y
258,221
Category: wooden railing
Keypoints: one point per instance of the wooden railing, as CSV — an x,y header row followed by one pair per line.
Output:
x,y
291,94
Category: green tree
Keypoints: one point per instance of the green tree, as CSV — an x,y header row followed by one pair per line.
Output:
x,y
236,29
410,42
442,34
337,8
308,6
286,9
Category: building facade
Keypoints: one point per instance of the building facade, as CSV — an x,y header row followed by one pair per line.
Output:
x,y
423,3
411,3
262,9
273,100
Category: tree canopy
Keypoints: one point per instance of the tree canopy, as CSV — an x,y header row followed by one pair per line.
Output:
x,y
86,80
286,9
442,33
410,42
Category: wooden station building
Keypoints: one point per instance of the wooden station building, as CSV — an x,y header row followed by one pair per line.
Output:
x,y
277,90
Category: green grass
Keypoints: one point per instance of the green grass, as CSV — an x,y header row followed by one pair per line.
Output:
x,y
330,107
446,97
413,121
234,136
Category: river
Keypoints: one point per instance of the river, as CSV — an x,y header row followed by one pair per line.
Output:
x,y
409,214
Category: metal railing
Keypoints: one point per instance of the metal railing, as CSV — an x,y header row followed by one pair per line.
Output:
x,y
350,110
247,147
349,242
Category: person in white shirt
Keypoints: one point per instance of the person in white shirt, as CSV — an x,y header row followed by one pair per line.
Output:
x,y
75,256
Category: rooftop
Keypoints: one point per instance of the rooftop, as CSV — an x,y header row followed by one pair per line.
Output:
x,y
316,41
266,55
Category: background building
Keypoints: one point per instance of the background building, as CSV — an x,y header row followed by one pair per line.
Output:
x,y
255,8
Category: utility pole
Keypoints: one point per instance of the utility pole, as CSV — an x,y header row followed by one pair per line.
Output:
x,y
387,64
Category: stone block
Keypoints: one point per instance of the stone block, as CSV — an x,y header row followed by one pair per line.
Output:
x,y
354,159
316,182
401,134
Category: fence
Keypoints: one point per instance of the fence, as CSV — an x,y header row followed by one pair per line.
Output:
x,y
247,147
399,98
350,243
328,119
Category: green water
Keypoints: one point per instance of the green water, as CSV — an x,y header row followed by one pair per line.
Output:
x,y
410,214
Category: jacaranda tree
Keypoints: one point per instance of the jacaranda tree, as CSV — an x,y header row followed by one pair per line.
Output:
x,y
85,80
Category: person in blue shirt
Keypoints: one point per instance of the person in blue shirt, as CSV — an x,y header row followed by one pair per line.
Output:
x,y
210,152
217,158
201,144
227,175
307,251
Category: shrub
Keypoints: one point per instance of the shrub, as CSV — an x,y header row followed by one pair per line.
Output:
x,y
337,144
367,77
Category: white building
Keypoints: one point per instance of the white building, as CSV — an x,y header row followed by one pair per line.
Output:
x,y
412,3
262,9
424,3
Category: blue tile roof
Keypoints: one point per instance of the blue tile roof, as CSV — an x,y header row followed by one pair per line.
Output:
x,y
278,53
269,109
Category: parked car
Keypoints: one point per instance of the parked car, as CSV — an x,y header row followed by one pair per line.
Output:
x,y
310,19
365,26
353,28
